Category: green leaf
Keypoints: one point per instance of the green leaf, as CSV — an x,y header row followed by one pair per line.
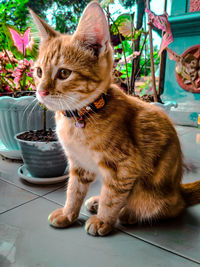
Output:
x,y
8,66
123,24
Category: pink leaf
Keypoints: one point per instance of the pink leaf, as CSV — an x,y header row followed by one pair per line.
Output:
x,y
161,22
20,41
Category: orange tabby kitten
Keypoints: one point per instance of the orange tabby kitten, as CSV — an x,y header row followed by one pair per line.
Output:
x,y
131,144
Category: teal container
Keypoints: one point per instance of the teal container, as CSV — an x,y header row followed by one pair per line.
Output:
x,y
185,24
42,159
19,115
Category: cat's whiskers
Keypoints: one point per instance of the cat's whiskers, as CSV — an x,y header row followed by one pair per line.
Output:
x,y
27,107
34,106
93,122
68,100
74,117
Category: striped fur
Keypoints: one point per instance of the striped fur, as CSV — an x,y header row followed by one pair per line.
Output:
x,y
131,145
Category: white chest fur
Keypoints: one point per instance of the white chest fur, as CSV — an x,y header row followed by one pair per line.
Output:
x,y
75,148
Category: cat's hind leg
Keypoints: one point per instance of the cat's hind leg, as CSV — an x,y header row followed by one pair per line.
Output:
x,y
144,206
127,216
92,204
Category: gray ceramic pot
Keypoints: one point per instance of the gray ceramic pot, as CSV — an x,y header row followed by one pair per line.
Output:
x,y
19,115
43,159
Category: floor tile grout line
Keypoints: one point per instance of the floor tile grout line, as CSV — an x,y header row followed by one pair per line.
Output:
x,y
27,190
161,247
36,198
139,238
22,204
53,201
11,183
52,191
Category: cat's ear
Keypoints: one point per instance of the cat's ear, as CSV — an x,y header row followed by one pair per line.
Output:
x,y
44,30
92,30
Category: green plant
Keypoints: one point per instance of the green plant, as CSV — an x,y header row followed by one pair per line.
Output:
x,y
123,26
16,70
14,13
130,41
15,75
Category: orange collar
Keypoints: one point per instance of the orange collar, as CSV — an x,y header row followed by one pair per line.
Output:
x,y
81,114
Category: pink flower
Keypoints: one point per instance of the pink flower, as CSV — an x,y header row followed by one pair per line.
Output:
x,y
10,54
11,76
17,72
7,88
32,86
16,81
26,62
31,62
30,74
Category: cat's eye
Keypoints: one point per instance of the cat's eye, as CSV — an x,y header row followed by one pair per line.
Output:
x,y
63,74
39,72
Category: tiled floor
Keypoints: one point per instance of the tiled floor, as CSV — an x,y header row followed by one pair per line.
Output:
x,y
27,240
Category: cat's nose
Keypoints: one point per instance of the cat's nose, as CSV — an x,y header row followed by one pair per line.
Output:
x,y
43,93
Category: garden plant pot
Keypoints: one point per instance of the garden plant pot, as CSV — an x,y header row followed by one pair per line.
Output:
x,y
43,159
18,115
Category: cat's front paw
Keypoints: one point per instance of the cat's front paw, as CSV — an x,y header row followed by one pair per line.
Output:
x,y
59,219
95,226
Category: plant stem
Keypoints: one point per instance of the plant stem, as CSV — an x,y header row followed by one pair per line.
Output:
x,y
133,73
132,82
128,84
162,62
8,57
44,119
12,88
146,61
126,65
152,60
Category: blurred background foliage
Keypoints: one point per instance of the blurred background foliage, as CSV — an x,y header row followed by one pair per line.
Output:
x,y
63,15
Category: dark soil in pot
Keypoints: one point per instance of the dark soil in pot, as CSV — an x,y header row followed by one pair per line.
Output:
x,y
39,135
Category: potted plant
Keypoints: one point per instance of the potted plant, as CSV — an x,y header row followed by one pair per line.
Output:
x,y
19,110
42,153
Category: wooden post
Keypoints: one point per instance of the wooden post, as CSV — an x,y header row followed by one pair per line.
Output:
x,y
152,60
145,46
162,59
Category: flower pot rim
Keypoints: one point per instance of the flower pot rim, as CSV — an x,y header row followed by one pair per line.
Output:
x,y
17,98
12,103
34,142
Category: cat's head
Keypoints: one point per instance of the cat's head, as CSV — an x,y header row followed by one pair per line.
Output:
x,y
72,71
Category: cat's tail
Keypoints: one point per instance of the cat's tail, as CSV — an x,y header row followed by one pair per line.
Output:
x,y
191,193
